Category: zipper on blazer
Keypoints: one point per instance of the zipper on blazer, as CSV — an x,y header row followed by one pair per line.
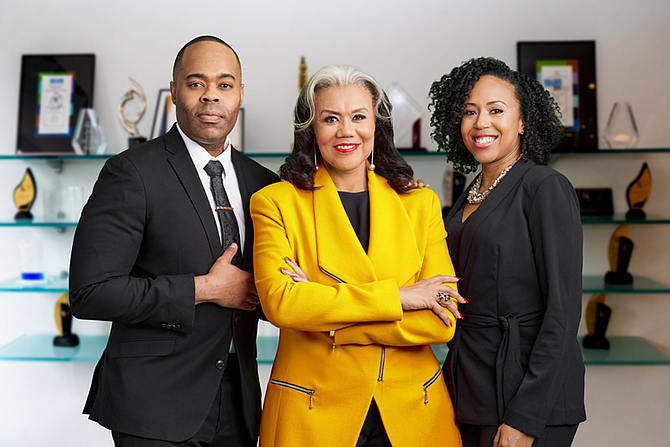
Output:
x,y
429,383
331,275
326,272
381,364
297,388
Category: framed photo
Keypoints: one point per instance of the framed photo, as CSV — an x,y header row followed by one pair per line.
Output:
x,y
568,70
54,87
237,134
165,114
165,117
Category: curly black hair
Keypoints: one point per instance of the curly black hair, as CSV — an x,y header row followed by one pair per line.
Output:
x,y
540,113
299,167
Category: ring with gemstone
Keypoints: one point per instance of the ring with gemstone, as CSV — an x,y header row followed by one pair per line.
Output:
x,y
444,299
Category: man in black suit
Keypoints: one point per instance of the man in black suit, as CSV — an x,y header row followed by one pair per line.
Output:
x,y
148,254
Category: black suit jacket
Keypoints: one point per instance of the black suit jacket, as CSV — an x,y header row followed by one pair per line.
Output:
x,y
144,234
515,357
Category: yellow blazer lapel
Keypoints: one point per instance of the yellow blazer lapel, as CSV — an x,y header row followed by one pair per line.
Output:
x,y
339,252
393,248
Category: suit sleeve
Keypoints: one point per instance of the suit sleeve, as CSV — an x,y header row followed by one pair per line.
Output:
x,y
417,327
291,305
106,246
556,236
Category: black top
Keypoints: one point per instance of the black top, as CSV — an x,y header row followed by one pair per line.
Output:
x,y
515,357
357,206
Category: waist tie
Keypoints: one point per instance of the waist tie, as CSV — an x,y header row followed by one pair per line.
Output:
x,y
509,372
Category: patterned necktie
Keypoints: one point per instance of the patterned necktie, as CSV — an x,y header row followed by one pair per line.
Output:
x,y
230,231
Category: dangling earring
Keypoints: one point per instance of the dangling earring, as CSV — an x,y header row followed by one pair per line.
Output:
x,y
316,164
372,160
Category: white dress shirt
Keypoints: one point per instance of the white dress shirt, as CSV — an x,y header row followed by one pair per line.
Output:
x,y
200,158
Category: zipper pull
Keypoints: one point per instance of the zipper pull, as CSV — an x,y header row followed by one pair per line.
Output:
x,y
332,334
311,399
425,390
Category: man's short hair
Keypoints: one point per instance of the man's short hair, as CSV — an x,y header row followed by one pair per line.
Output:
x,y
180,55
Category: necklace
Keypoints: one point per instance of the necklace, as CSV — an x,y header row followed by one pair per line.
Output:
x,y
475,197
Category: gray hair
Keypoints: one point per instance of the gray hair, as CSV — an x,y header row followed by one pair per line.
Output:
x,y
339,75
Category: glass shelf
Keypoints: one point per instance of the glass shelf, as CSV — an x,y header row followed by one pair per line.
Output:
x,y
39,347
625,351
53,284
596,284
592,151
55,157
37,221
621,219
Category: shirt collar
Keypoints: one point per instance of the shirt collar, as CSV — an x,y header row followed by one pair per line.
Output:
x,y
201,157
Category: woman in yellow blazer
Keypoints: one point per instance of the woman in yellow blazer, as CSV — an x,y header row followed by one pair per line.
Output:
x,y
366,292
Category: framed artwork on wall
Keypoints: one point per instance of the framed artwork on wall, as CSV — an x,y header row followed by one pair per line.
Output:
x,y
54,88
567,69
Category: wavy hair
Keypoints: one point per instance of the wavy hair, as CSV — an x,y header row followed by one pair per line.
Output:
x,y
299,167
540,113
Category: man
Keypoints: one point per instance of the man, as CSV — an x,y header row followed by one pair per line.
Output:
x,y
180,364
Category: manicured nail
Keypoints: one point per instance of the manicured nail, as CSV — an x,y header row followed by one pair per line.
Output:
x,y
461,315
457,278
467,302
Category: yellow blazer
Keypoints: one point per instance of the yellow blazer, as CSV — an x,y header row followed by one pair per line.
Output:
x,y
344,338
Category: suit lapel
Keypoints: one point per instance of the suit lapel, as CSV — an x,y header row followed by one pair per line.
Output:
x,y
247,187
181,163
491,203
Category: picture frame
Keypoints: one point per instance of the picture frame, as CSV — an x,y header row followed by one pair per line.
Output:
x,y
165,117
53,89
165,114
568,70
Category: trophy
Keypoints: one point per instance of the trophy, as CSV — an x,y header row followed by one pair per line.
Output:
x,y
453,184
620,250
302,77
131,125
24,196
63,317
638,192
597,318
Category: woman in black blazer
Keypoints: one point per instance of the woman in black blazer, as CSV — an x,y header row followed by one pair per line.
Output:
x,y
514,368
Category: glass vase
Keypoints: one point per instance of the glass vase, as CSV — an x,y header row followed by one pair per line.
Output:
x,y
621,130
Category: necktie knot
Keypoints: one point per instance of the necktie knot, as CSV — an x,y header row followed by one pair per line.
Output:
x,y
214,168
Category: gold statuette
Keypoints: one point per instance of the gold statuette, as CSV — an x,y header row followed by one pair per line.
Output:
x,y
619,254
24,196
597,318
302,77
131,124
63,317
638,193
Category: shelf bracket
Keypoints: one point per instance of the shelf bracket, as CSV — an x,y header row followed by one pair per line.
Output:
x,y
57,165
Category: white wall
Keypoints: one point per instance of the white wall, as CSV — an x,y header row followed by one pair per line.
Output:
x,y
412,43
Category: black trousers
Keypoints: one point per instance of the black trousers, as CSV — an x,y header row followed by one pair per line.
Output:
x,y
373,433
223,427
552,436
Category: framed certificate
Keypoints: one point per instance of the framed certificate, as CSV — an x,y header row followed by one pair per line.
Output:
x,y
568,70
54,87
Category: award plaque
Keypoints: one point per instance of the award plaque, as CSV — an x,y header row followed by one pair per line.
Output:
x,y
131,124
63,317
595,201
24,196
597,318
619,253
638,192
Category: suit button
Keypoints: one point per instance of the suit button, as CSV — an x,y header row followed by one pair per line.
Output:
x,y
219,364
236,318
164,326
177,326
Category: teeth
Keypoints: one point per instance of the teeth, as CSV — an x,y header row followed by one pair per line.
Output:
x,y
346,146
484,140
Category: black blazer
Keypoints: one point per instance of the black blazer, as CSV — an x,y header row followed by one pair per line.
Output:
x,y
144,234
515,357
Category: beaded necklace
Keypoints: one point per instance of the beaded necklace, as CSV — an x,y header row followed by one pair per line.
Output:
x,y
475,197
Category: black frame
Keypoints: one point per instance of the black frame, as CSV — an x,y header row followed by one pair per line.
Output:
x,y
584,136
83,67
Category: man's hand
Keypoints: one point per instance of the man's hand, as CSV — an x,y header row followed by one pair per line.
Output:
x,y
226,285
